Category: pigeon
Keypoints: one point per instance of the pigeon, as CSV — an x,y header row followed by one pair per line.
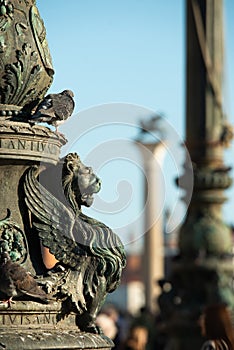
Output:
x,y
150,124
54,109
16,281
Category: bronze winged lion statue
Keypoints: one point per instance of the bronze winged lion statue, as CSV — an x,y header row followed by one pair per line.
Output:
x,y
91,256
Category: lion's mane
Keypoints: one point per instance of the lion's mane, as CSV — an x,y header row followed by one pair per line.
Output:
x,y
101,242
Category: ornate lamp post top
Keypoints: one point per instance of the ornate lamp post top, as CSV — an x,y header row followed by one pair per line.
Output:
x,y
26,71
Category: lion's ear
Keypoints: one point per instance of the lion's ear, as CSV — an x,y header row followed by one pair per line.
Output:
x,y
72,160
70,165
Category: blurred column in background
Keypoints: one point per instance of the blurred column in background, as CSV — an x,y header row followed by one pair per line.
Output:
x,y
153,154
202,272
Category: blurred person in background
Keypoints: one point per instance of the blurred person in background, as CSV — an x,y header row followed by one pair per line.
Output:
x,y
107,325
137,338
141,333
114,324
217,328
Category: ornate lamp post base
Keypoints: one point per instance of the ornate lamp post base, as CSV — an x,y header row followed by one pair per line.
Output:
x,y
82,269
31,326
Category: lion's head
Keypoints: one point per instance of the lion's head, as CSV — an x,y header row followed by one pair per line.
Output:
x,y
79,182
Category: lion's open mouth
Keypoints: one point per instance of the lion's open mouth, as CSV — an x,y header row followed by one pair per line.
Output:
x,y
87,193
86,196
87,199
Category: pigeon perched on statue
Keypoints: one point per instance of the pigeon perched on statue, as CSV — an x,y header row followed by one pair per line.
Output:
x,y
15,281
54,109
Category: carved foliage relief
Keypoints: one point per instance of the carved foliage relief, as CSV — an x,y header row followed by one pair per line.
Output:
x,y
25,62
13,240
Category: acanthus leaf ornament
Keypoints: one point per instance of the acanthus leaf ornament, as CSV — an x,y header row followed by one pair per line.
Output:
x,y
20,72
26,70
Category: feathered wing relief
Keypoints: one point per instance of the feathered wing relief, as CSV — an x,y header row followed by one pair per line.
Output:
x,y
91,254
52,220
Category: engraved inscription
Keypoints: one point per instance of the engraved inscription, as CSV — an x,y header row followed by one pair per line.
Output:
x,y
21,144
27,319
29,145
11,144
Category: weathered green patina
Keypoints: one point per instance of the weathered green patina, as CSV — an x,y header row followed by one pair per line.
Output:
x,y
26,70
75,259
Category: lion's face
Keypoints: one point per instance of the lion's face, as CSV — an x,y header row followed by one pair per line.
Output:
x,y
88,184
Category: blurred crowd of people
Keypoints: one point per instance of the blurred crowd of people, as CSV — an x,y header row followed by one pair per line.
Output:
x,y
145,331
128,332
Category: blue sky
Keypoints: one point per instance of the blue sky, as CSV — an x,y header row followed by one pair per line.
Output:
x,y
130,56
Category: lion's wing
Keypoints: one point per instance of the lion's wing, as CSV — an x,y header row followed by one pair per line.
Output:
x,y
53,221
